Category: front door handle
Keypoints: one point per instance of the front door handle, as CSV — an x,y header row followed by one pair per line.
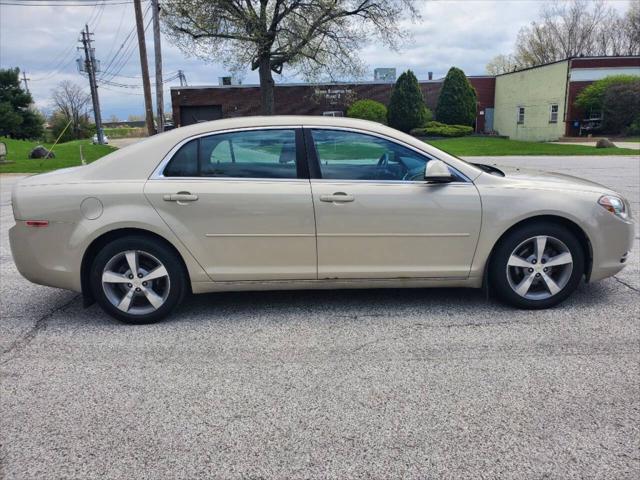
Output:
x,y
338,197
180,197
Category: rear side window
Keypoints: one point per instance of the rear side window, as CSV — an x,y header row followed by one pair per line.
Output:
x,y
185,162
249,154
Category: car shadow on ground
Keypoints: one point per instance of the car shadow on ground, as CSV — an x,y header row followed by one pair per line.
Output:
x,y
365,304
460,304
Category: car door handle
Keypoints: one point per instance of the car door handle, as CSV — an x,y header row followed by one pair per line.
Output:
x,y
180,197
338,197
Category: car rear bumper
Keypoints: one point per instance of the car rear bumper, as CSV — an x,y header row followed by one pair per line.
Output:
x,y
42,255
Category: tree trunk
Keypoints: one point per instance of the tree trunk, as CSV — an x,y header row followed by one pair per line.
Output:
x,y
266,86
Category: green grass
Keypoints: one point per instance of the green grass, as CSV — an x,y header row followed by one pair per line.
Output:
x,y
488,146
67,155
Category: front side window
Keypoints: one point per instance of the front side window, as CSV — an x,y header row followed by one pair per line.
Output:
x,y
521,115
553,113
356,156
248,154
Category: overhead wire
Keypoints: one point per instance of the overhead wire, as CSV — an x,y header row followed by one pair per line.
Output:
x,y
63,60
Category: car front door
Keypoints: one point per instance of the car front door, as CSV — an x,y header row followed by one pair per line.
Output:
x,y
241,203
376,217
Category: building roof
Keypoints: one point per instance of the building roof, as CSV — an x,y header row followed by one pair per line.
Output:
x,y
316,84
595,57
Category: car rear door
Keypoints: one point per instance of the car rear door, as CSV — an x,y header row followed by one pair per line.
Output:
x,y
376,217
241,203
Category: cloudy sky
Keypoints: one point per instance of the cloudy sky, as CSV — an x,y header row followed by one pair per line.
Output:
x,y
42,41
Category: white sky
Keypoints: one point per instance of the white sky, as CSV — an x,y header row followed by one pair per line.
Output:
x,y
42,41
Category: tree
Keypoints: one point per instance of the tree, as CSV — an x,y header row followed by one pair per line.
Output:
x,y
18,119
312,37
71,102
502,64
406,107
368,110
592,97
58,122
620,106
457,103
572,29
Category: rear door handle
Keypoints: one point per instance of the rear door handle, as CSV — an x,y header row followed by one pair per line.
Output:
x,y
338,197
180,197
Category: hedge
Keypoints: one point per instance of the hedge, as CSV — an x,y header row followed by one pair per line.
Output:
x,y
437,129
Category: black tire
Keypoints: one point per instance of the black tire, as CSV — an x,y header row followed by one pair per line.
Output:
x,y
174,284
499,276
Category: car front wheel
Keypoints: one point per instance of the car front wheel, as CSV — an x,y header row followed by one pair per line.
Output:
x,y
138,280
537,266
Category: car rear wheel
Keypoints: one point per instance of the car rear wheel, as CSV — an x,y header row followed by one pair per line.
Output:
x,y
537,266
138,280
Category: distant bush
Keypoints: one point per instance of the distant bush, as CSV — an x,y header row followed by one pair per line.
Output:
x,y
428,116
368,110
125,132
406,106
437,129
633,129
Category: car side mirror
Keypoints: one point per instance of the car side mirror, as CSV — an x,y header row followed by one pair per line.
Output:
x,y
437,172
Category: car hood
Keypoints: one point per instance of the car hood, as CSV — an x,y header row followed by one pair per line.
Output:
x,y
531,178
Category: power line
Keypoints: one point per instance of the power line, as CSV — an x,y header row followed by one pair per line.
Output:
x,y
62,61
126,56
127,45
113,44
64,3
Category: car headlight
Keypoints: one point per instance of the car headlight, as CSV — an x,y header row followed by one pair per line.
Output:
x,y
614,205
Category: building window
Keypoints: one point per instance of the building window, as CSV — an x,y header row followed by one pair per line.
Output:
x,y
333,113
553,113
520,115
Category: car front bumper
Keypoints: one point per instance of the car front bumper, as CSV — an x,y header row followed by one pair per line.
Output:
x,y
612,242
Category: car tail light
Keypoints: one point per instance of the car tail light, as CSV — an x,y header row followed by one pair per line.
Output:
x,y
37,223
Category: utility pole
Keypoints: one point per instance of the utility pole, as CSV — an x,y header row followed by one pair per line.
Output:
x,y
157,49
25,80
142,48
183,79
90,67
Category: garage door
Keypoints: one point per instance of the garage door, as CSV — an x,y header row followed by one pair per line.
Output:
x,y
201,113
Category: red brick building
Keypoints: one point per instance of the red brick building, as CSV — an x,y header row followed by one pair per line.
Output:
x,y
199,103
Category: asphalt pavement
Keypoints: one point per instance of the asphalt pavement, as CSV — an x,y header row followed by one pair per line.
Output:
x,y
421,383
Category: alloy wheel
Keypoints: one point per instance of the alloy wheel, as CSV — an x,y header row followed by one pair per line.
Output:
x,y
539,268
136,282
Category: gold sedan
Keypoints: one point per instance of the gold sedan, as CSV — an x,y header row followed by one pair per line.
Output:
x,y
262,203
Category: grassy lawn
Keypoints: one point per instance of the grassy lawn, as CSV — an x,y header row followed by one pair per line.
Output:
x,y
67,155
487,146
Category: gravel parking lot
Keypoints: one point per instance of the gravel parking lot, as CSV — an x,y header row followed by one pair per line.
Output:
x,y
327,384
